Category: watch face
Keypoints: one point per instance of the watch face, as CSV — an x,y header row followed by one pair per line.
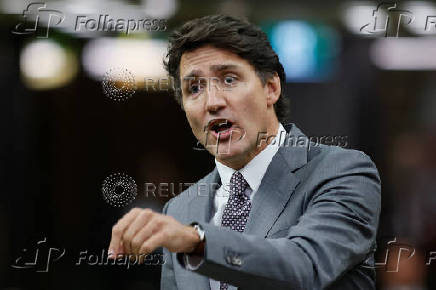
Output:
x,y
200,232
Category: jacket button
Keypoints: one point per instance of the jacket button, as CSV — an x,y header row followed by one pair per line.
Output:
x,y
236,261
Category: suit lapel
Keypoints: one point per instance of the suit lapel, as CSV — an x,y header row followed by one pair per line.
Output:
x,y
200,209
277,185
201,205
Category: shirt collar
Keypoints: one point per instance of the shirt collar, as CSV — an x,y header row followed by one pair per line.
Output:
x,y
254,170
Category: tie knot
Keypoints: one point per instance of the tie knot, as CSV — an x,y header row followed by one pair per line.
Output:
x,y
238,183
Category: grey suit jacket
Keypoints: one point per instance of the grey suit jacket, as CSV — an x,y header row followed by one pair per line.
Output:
x,y
312,225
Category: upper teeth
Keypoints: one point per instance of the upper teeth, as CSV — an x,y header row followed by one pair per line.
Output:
x,y
220,126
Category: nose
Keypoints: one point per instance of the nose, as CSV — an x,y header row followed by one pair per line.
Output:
x,y
215,100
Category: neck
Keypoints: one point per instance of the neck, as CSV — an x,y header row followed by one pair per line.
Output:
x,y
239,163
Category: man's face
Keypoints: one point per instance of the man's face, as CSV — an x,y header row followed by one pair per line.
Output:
x,y
226,104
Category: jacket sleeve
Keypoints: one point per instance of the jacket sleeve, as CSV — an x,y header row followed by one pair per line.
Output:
x,y
168,281
335,233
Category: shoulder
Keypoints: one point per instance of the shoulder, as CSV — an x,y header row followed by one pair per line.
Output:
x,y
333,167
350,174
335,159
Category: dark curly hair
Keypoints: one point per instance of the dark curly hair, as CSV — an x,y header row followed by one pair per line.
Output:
x,y
235,35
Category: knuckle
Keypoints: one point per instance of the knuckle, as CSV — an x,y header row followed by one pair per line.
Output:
x,y
170,219
165,234
116,230
127,236
136,243
147,212
146,249
142,214
159,224
165,220
135,210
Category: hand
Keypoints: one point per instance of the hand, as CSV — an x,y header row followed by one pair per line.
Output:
x,y
141,231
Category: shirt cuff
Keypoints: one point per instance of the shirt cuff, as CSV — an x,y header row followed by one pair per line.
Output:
x,y
192,262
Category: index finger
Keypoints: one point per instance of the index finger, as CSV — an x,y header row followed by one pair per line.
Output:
x,y
118,231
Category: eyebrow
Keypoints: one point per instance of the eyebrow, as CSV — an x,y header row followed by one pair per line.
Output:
x,y
215,68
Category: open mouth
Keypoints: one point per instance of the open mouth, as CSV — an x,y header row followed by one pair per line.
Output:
x,y
220,126
224,131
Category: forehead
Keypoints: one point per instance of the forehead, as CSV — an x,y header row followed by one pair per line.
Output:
x,y
208,57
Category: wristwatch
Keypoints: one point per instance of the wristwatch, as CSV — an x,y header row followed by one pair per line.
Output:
x,y
199,230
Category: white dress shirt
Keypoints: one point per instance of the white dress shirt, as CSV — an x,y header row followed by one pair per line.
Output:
x,y
253,173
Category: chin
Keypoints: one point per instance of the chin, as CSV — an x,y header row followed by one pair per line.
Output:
x,y
235,153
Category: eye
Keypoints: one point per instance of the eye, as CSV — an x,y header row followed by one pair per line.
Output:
x,y
229,80
195,88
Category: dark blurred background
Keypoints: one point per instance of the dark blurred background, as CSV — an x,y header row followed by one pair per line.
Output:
x,y
365,71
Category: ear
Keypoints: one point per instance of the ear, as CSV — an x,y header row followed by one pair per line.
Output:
x,y
273,87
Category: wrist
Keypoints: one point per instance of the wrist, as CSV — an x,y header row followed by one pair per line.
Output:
x,y
199,240
199,249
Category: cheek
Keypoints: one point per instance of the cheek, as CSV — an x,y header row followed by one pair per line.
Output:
x,y
254,112
255,97
193,120
252,108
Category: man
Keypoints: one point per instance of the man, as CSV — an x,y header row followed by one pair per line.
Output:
x,y
283,216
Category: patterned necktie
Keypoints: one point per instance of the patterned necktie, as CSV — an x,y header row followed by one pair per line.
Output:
x,y
237,209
